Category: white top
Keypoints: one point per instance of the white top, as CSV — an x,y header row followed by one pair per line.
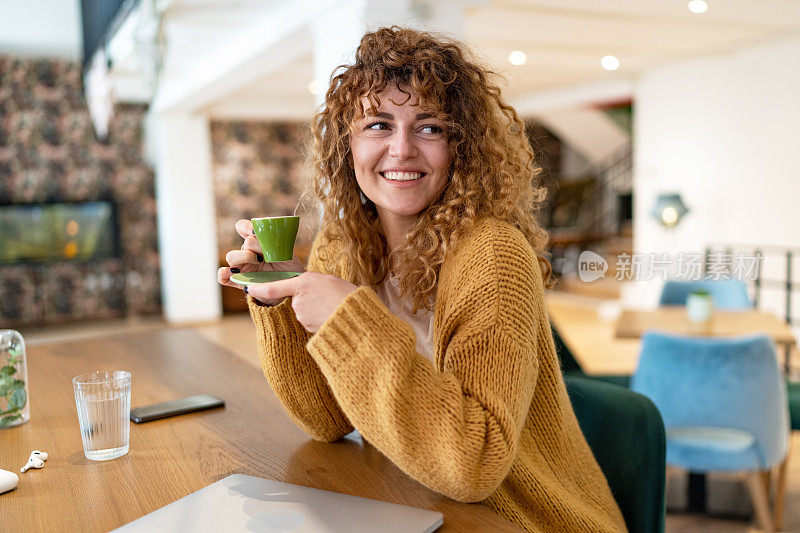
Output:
x,y
422,322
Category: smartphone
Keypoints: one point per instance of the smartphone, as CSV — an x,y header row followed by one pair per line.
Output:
x,y
191,404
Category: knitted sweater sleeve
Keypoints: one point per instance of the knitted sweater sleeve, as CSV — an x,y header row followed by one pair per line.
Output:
x,y
291,372
455,429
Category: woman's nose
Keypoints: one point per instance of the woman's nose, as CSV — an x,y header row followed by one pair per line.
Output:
x,y
402,145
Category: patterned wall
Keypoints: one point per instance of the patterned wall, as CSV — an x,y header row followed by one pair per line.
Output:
x,y
49,153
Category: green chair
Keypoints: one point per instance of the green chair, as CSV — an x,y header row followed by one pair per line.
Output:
x,y
793,393
626,434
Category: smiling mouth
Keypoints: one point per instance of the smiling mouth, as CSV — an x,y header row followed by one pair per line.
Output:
x,y
402,176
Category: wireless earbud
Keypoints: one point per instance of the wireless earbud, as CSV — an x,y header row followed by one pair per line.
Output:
x,y
36,460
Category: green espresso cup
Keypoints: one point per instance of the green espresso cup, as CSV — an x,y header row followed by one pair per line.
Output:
x,y
276,236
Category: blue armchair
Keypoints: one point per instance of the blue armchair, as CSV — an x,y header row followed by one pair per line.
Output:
x,y
726,293
724,407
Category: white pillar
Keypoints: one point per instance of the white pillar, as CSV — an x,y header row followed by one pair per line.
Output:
x,y
187,234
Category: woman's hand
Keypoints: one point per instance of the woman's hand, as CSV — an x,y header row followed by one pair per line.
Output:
x,y
315,296
250,258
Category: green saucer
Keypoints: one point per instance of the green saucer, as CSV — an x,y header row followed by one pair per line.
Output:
x,y
250,278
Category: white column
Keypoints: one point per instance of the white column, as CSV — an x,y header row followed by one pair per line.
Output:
x,y
187,234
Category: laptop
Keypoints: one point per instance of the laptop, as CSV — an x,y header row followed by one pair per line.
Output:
x,y
247,503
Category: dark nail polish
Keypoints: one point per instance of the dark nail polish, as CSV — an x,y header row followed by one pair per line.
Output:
x,y
245,289
260,258
235,270
252,232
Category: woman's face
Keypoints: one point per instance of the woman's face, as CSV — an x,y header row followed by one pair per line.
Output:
x,y
400,155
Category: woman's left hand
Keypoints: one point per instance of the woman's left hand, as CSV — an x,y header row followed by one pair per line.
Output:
x,y
314,296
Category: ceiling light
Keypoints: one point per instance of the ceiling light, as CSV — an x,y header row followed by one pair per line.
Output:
x,y
316,87
610,62
517,57
698,6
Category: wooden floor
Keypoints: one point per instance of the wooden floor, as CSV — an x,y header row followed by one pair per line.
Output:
x,y
587,325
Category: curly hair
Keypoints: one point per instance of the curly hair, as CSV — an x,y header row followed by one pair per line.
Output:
x,y
492,171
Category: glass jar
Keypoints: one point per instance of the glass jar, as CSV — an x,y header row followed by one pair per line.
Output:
x,y
699,306
14,405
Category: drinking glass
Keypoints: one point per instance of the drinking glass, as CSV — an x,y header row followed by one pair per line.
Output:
x,y
103,399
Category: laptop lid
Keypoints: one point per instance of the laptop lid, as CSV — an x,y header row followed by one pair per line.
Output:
x,y
246,503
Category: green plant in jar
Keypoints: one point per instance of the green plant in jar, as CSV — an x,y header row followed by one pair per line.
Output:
x,y
13,392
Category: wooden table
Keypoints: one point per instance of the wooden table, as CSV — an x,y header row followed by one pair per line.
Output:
x,y
171,458
673,319
723,323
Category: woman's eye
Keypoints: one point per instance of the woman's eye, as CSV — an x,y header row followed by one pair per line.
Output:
x,y
377,126
431,129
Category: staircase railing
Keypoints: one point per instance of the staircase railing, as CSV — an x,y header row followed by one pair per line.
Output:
x,y
614,178
719,257
786,283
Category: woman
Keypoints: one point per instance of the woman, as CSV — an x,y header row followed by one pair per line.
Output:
x,y
421,320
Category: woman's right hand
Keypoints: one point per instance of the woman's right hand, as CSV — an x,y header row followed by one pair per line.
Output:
x,y
250,259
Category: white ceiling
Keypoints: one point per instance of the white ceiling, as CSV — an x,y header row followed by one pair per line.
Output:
x,y
564,41
32,28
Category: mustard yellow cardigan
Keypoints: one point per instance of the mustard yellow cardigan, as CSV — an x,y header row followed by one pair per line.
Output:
x,y
488,421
